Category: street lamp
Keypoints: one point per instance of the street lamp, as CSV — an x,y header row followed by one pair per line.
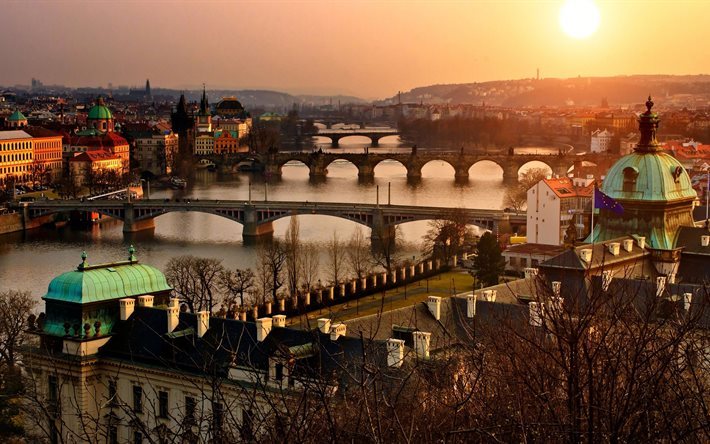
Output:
x,y
148,184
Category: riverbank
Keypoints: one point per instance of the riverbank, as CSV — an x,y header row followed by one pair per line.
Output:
x,y
12,222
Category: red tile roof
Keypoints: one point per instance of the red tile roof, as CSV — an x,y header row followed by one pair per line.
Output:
x,y
564,187
94,156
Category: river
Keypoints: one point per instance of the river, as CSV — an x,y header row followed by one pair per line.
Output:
x,y
28,261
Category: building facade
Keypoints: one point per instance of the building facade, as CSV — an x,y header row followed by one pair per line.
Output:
x,y
156,154
555,204
601,141
47,146
16,157
93,162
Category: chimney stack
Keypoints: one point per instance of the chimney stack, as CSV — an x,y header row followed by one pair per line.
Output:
x,y
606,279
471,301
395,352
641,242
628,245
613,248
660,285
263,328
556,287
704,240
203,323
434,305
145,301
173,314
337,330
530,273
687,300
279,320
324,325
421,343
586,255
127,306
536,310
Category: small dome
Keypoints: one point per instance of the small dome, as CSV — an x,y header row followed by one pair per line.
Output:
x,y
100,111
649,176
229,103
17,116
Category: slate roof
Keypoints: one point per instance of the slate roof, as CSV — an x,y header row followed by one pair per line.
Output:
x,y
689,238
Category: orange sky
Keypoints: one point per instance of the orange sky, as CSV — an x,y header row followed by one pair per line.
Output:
x,y
366,48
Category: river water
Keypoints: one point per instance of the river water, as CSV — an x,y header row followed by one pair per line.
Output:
x,y
28,261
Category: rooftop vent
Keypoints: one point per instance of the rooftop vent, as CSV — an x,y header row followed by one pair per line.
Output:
x,y
279,320
628,245
324,325
613,248
586,255
434,305
337,330
641,242
704,240
395,352
263,328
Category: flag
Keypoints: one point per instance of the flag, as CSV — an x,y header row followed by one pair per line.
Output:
x,y
602,201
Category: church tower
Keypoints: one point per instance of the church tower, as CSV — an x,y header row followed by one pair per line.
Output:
x,y
204,116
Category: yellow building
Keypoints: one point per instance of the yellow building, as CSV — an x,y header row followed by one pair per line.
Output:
x,y
47,147
94,161
16,157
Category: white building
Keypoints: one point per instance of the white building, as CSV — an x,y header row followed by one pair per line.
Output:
x,y
204,144
601,141
553,203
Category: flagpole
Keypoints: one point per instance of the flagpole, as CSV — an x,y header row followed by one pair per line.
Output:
x,y
591,233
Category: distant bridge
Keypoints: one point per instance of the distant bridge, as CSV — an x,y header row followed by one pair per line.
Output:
x,y
374,134
256,217
318,162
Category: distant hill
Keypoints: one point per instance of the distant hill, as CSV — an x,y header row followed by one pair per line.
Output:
x,y
258,98
578,91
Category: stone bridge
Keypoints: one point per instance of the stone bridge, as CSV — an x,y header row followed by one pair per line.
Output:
x,y
256,217
374,134
318,162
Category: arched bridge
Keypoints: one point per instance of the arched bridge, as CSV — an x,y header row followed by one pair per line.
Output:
x,y
318,162
374,134
257,217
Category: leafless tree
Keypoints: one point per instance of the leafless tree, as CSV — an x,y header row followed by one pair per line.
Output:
x,y
309,264
448,235
237,282
15,308
337,254
385,248
358,253
271,261
293,248
195,280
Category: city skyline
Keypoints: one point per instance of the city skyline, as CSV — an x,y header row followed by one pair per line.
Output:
x,y
367,49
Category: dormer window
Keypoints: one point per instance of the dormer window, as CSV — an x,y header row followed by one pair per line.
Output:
x,y
630,176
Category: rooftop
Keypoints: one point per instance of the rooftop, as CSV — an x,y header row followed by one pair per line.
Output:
x,y
13,135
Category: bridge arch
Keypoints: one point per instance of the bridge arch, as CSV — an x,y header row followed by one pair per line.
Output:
x,y
534,163
437,163
295,163
388,164
486,167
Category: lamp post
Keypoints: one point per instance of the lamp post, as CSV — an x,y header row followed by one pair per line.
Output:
x,y
147,182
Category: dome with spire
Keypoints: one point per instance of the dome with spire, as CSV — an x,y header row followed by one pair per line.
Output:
x,y
653,188
100,110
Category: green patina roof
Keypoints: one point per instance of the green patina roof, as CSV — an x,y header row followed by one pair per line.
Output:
x,y
657,178
17,116
106,282
100,112
89,132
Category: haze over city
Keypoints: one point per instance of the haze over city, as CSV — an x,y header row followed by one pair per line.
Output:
x,y
363,48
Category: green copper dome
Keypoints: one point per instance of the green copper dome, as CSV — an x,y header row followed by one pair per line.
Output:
x,y
100,111
17,116
106,282
650,176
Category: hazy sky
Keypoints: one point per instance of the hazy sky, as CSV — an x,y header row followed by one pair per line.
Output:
x,y
367,48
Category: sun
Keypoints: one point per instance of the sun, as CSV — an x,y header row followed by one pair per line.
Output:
x,y
579,18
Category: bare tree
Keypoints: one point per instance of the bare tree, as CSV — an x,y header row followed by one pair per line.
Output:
x,y
448,235
309,264
337,253
385,246
293,248
237,282
358,253
15,308
195,280
272,259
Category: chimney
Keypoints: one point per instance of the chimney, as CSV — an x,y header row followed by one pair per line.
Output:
x,y
628,245
486,295
494,294
530,273
687,300
203,323
556,305
471,301
660,285
704,240
337,330
613,248
279,320
536,310
324,325
642,242
421,343
395,352
127,306
586,255
434,305
145,301
173,314
263,328
556,286
606,279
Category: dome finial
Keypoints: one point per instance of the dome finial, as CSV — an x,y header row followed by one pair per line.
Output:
x,y
132,254
83,263
649,103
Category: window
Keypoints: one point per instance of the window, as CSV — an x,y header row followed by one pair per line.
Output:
x,y
137,399
137,437
112,392
190,407
113,434
162,404
630,175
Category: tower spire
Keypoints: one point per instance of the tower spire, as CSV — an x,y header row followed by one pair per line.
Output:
x,y
648,125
